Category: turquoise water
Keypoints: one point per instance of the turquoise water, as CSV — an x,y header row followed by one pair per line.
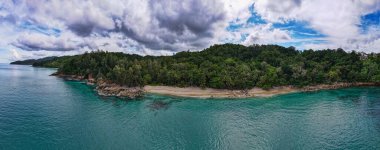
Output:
x,y
38,111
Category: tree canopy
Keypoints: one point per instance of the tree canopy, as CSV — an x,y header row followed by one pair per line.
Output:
x,y
227,66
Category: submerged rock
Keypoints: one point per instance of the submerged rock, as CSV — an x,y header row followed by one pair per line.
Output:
x,y
157,105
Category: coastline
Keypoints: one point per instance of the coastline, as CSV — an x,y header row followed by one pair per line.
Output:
x,y
105,88
197,92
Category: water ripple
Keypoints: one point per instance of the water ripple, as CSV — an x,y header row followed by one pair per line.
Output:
x,y
42,112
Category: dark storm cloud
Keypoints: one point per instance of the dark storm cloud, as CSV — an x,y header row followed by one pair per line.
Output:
x,y
198,18
82,29
179,23
169,25
173,25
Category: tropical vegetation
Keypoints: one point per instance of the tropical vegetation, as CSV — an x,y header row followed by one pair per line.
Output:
x,y
227,66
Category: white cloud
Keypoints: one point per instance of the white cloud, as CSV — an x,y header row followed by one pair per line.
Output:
x,y
339,20
257,34
15,54
264,34
31,41
238,10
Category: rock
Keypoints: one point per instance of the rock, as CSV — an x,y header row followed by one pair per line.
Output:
x,y
337,86
105,89
54,74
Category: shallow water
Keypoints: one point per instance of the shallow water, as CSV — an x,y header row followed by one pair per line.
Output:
x,y
38,111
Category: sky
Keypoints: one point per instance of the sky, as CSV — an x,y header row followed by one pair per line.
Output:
x,y
40,28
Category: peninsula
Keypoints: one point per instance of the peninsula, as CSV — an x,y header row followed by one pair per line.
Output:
x,y
220,71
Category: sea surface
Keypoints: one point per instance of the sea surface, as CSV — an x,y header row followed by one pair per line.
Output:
x,y
38,111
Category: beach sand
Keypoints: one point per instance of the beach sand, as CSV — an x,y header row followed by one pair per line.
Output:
x,y
197,92
217,93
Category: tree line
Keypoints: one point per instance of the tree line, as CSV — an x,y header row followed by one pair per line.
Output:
x,y
227,66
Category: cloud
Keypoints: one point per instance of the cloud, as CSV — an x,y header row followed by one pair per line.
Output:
x,y
35,42
339,20
266,35
258,34
370,42
277,10
15,54
156,27
171,25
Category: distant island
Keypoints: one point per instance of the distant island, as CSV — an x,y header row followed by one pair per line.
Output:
x,y
33,61
228,70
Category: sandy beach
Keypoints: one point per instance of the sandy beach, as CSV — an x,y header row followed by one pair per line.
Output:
x,y
255,92
216,93
111,89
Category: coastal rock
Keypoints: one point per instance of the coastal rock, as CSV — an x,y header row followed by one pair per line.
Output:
x,y
108,88
68,77
337,86
54,74
105,89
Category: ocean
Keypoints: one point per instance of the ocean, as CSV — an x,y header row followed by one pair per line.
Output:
x,y
38,111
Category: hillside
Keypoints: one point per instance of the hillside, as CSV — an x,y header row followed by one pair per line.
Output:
x,y
32,61
227,66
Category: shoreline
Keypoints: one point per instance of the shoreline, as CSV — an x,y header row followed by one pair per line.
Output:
x,y
196,92
104,88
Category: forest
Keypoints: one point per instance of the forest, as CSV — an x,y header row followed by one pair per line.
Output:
x,y
227,66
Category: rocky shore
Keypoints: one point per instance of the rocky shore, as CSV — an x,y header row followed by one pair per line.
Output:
x,y
69,77
337,86
106,88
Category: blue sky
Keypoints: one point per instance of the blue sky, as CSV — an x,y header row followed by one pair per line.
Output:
x,y
35,29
